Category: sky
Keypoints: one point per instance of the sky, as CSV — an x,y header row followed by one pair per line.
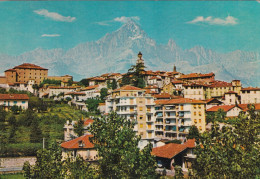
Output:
x,y
217,25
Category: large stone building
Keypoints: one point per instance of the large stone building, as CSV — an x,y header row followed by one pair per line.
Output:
x,y
25,72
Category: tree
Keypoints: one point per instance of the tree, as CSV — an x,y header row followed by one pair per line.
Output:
x,y
117,146
232,152
137,73
70,82
84,82
103,94
79,128
13,128
193,133
3,114
178,172
114,84
49,164
92,104
220,116
125,80
36,133
15,109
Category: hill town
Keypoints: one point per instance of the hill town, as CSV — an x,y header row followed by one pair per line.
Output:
x,y
166,107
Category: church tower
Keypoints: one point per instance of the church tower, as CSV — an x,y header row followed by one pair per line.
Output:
x,y
140,60
174,69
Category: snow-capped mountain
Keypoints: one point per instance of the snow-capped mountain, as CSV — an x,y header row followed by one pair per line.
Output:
x,y
117,51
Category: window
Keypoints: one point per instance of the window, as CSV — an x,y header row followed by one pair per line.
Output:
x,y
23,102
199,120
141,125
15,102
194,113
141,108
141,117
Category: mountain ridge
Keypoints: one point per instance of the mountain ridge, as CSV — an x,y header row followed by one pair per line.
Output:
x,y
116,52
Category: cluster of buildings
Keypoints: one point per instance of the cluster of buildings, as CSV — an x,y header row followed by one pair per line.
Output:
x,y
165,109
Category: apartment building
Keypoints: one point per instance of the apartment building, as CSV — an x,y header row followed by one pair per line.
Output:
x,y
133,103
250,95
174,117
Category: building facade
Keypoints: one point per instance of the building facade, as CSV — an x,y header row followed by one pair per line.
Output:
x,y
9,100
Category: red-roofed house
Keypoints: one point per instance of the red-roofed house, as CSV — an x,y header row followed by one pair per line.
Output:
x,y
230,110
177,154
69,129
81,146
231,98
9,100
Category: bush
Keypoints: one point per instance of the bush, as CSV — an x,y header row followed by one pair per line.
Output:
x,y
20,149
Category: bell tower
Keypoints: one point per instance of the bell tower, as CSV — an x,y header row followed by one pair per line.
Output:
x,y
140,60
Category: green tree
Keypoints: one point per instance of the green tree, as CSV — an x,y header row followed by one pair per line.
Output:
x,y
117,146
232,152
125,80
114,84
15,109
103,94
178,172
92,104
193,133
79,128
219,116
13,128
137,73
36,133
84,82
49,164
70,82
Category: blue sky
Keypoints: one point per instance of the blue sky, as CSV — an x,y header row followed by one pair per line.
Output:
x,y
216,25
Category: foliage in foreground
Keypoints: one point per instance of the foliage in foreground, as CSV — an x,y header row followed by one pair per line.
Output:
x,y
233,152
118,152
49,165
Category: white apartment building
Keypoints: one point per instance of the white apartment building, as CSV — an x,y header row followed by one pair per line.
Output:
x,y
250,95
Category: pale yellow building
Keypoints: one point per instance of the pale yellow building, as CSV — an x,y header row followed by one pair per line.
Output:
x,y
174,117
250,95
132,103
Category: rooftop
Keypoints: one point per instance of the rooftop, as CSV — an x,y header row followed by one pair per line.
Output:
x,y
29,66
129,88
14,97
75,143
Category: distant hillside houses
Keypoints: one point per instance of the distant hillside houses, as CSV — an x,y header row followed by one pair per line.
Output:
x,y
165,108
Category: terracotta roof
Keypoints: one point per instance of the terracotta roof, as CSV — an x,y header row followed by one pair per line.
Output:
x,y
231,92
197,75
250,89
74,144
63,87
14,97
128,87
97,79
245,108
90,87
170,150
88,121
177,81
151,87
212,99
10,70
220,84
29,66
179,101
155,77
163,95
76,93
226,108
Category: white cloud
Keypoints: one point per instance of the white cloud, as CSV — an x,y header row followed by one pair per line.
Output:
x,y
50,35
54,15
124,19
229,20
121,19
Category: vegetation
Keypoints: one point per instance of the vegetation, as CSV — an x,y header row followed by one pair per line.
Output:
x,y
92,105
118,152
84,82
176,141
135,76
232,152
50,82
193,133
79,128
50,165
103,94
22,134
